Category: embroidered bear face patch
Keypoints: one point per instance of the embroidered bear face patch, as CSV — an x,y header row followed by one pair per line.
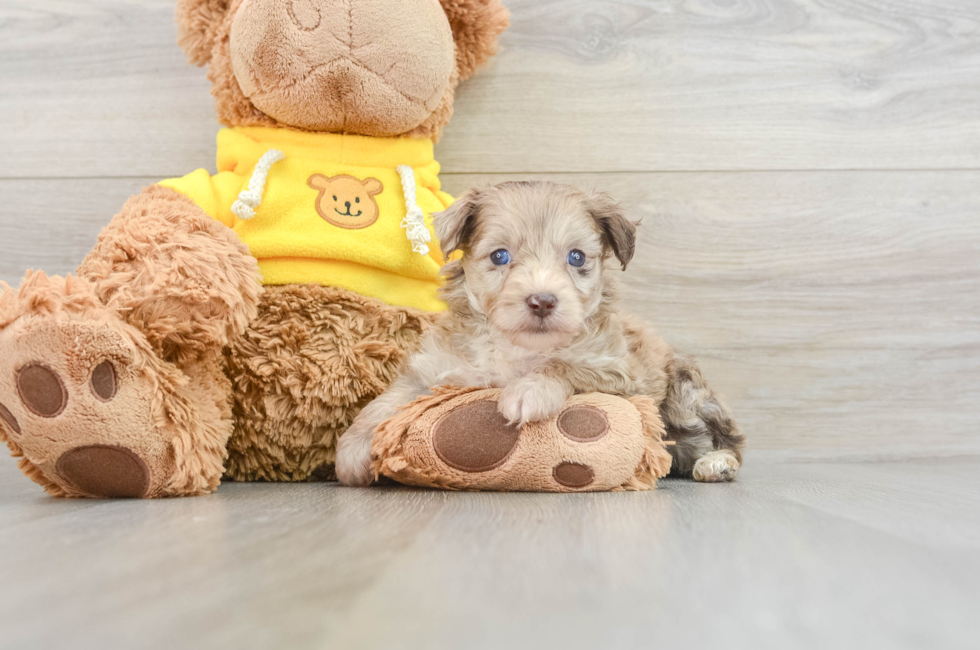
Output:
x,y
345,201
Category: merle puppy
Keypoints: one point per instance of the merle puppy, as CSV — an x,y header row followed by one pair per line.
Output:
x,y
533,309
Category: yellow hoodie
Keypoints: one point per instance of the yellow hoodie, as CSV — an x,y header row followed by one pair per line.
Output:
x,y
330,209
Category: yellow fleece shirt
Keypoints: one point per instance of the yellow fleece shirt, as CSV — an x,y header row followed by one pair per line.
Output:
x,y
330,212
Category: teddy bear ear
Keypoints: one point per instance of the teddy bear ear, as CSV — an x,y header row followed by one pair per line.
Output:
x,y
373,186
197,27
318,182
476,26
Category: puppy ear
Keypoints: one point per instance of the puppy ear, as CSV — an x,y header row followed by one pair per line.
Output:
x,y
476,25
197,27
454,226
618,232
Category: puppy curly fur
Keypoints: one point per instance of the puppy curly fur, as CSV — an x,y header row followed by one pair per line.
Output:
x,y
492,337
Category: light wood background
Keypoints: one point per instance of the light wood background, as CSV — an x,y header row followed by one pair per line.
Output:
x,y
807,171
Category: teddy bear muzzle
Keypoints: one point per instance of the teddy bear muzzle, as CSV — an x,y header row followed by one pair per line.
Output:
x,y
367,66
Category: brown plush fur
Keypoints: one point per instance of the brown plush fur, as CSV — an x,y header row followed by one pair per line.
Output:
x,y
308,363
656,461
476,25
188,285
199,24
180,277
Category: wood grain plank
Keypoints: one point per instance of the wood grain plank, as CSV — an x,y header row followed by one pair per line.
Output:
x,y
806,555
98,88
52,224
838,312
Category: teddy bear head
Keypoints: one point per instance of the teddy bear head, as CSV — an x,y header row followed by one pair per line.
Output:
x,y
346,201
368,67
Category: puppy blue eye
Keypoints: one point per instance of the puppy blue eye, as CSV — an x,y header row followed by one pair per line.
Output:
x,y
500,257
576,258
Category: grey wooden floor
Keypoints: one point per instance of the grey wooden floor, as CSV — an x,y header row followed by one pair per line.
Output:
x,y
793,555
808,174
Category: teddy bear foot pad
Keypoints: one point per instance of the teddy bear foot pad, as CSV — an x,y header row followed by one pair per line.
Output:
x,y
76,405
476,438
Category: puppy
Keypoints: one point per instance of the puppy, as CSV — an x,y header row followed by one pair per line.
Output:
x,y
533,310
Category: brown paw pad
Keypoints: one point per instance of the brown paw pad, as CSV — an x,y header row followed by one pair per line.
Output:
x,y
104,381
41,390
105,471
475,438
9,418
573,475
583,424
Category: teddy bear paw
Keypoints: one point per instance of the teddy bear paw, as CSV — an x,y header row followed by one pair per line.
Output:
x,y
77,408
596,442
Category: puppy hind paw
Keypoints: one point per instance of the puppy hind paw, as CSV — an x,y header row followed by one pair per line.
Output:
x,y
716,467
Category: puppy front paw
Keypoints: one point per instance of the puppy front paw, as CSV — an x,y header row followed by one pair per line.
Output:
x,y
353,465
531,399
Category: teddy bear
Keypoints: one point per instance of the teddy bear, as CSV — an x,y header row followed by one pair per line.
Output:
x,y
232,325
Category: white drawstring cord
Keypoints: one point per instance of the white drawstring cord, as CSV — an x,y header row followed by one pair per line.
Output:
x,y
249,200
414,221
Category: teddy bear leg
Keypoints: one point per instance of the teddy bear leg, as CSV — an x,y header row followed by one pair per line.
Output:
x,y
88,406
112,383
311,359
178,276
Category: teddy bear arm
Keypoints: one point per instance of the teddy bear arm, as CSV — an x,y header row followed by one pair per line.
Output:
x,y
456,438
179,276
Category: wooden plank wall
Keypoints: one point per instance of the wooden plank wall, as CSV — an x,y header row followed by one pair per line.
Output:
x,y
808,174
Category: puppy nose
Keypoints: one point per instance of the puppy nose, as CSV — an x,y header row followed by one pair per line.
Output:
x,y
347,203
542,304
